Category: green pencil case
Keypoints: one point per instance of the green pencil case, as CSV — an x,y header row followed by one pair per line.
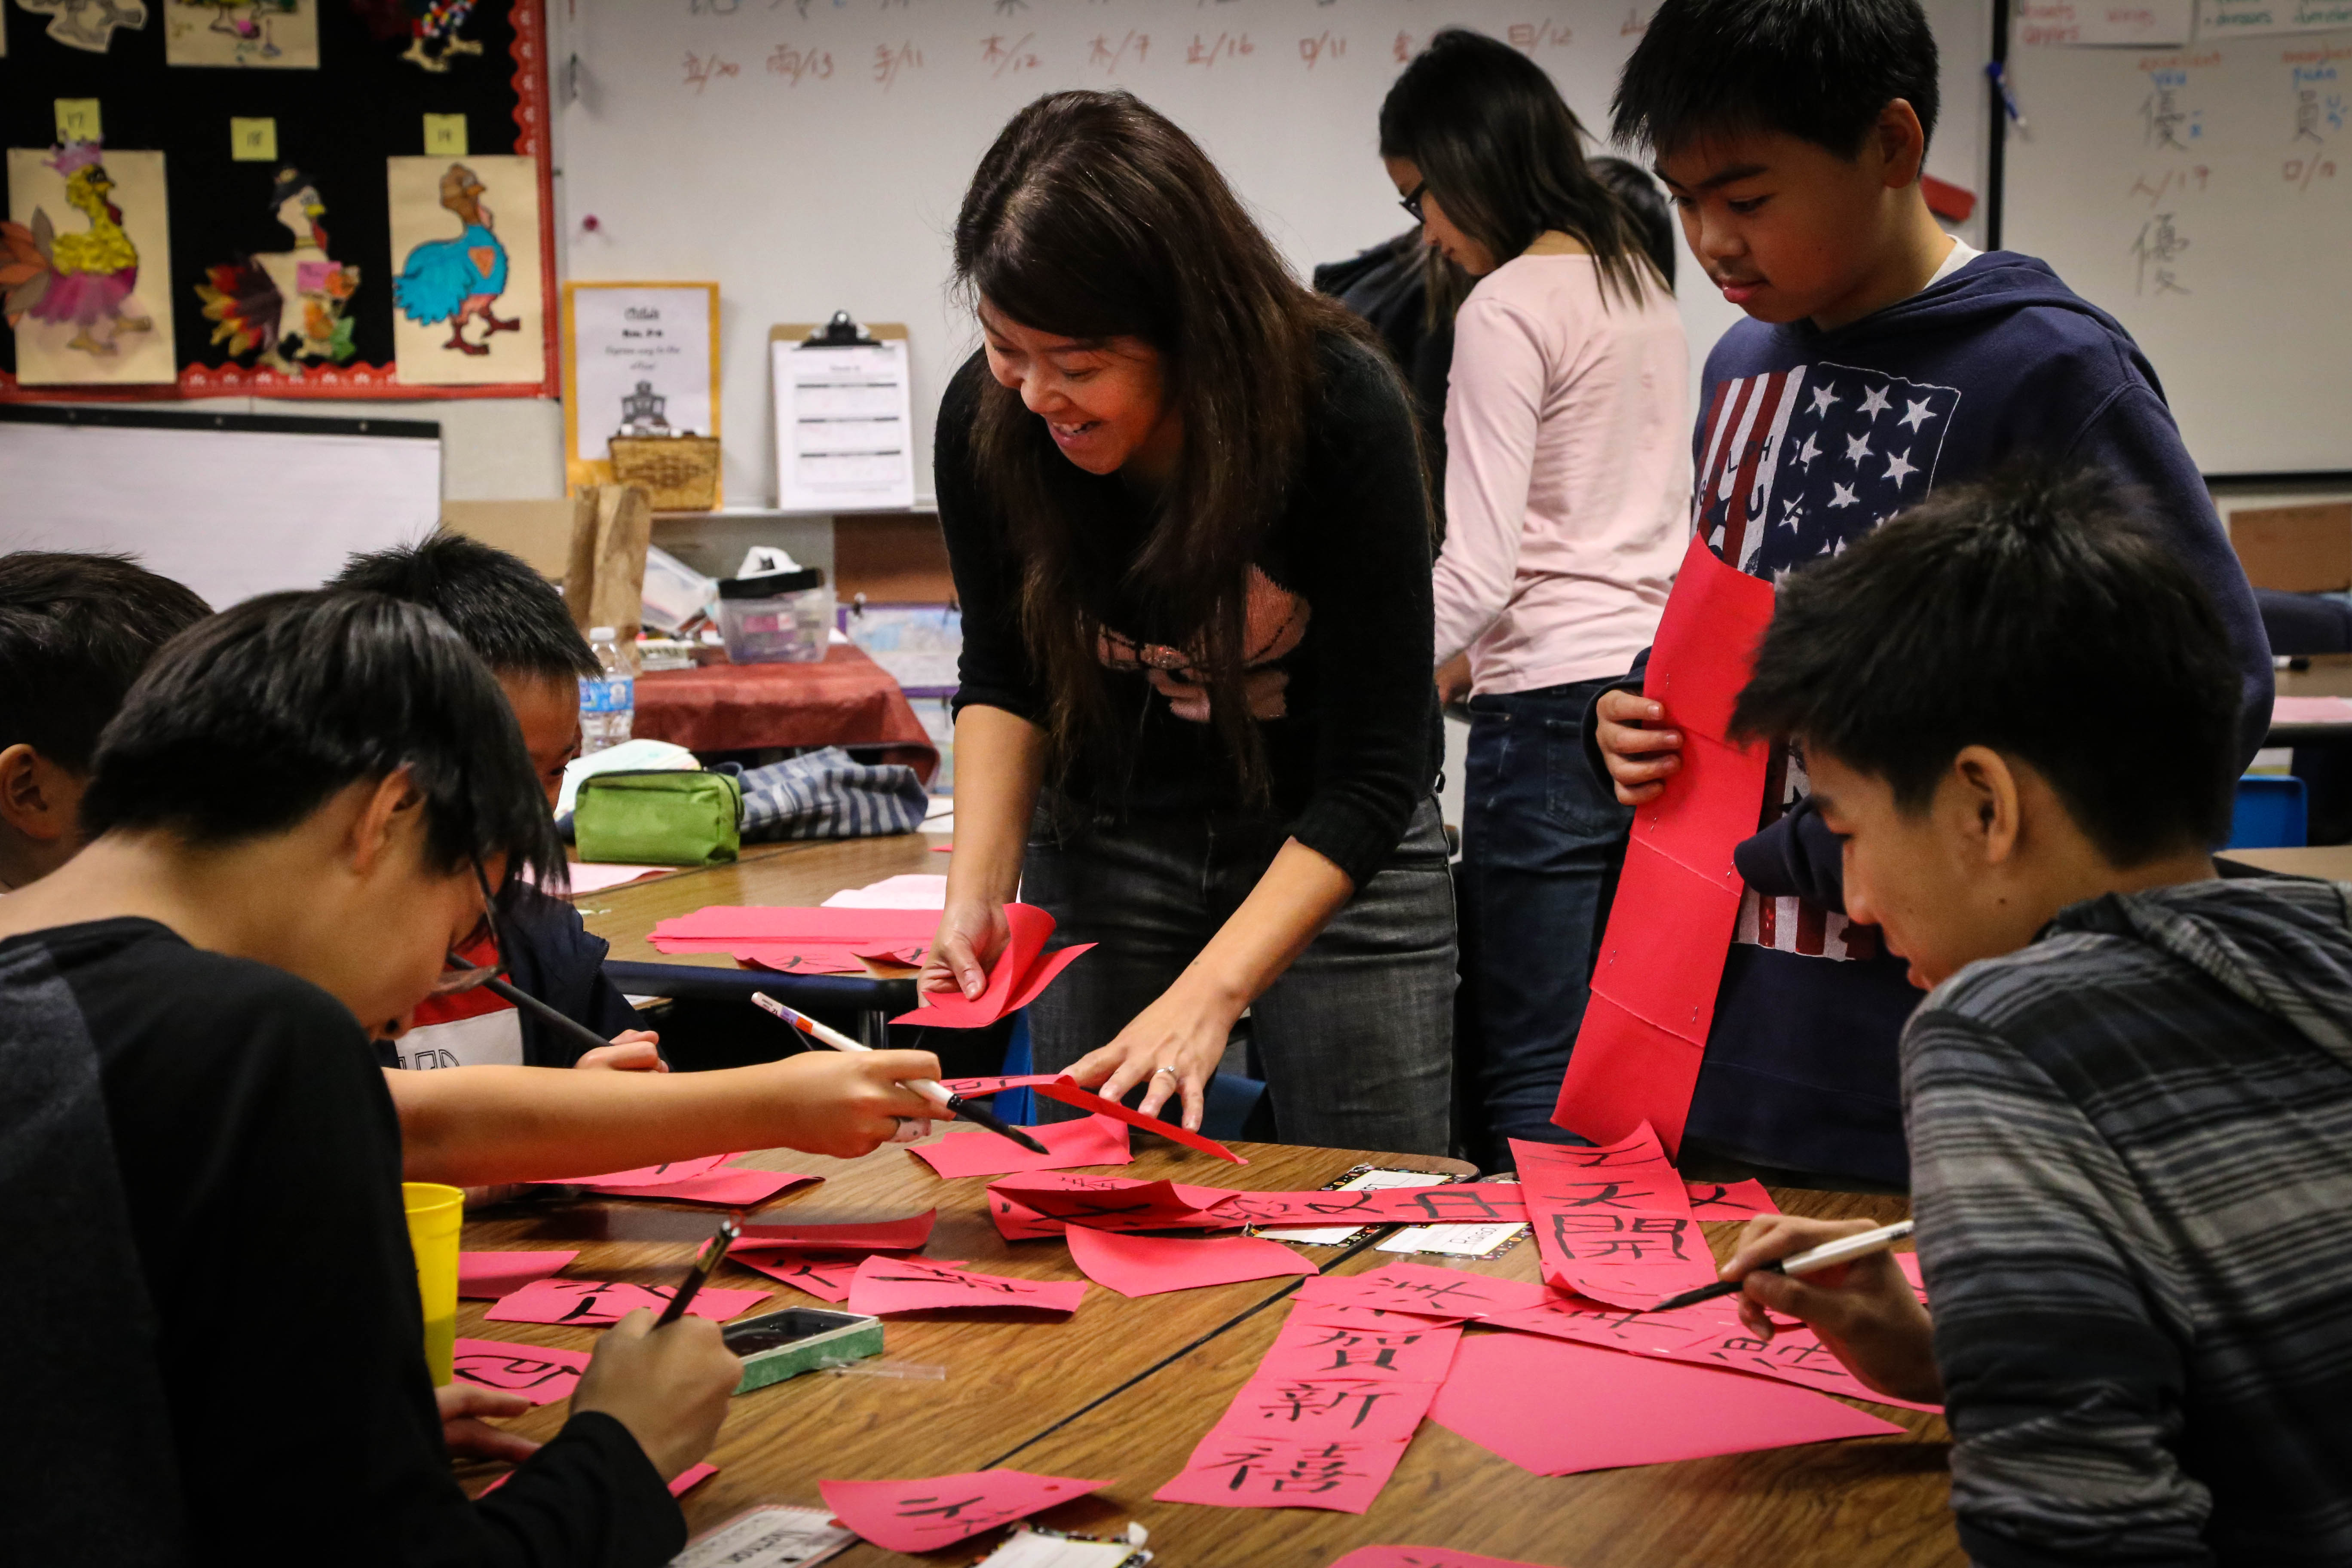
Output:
x,y
659,817
778,1345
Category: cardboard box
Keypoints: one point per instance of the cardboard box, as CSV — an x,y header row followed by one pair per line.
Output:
x,y
2296,549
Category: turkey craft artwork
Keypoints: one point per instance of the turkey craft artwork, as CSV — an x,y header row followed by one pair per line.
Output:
x,y
432,26
291,304
254,33
69,276
455,280
88,24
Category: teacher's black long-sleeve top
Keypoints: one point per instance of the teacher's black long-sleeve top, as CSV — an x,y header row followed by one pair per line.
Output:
x,y
1357,745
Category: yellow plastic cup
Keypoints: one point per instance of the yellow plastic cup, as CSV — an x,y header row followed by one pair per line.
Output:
x,y
436,1215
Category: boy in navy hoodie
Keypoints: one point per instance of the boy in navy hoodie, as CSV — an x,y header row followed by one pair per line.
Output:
x,y
1882,358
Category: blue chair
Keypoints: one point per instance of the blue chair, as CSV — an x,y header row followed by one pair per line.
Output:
x,y
2269,814
1225,1109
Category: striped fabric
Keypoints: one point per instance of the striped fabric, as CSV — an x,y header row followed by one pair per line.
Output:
x,y
2132,1170
824,794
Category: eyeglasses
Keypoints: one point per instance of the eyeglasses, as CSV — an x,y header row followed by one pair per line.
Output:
x,y
460,974
1412,202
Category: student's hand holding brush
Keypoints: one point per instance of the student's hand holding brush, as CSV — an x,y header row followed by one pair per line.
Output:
x,y
1865,1310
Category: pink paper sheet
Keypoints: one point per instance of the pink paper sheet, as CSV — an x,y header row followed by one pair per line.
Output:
x,y
1418,1288
718,925
907,1234
1362,1409
735,1188
1018,1221
660,1175
1460,1202
796,958
1425,1557
1065,1088
537,1372
1022,970
595,876
1246,1470
1317,1353
1150,1266
925,1515
1115,1203
1558,1408
1741,1200
486,1276
1661,961
883,1286
976,1152
827,1277
593,1301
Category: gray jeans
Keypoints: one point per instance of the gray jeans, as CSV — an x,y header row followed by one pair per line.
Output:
x,y
1356,1038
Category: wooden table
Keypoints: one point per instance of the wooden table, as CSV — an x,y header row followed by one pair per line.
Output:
x,y
1124,1388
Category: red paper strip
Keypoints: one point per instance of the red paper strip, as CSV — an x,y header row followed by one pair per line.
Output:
x,y
1423,1557
1624,1259
1151,1266
1418,1288
1065,1088
1472,1202
1558,1408
1091,1141
1632,1175
1680,908
660,1175
1792,1354
1587,1322
486,1276
1246,1470
1624,1074
979,1088
785,958
1022,970
539,1374
906,1235
1116,1203
1361,1409
593,1301
883,1286
1741,1200
1317,1353
1706,641
734,1187
1017,1222
925,1515
825,1277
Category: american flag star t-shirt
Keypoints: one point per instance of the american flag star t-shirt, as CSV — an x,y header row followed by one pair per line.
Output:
x,y
1794,465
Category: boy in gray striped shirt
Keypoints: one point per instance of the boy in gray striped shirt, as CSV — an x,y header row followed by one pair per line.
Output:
x,y
2129,1093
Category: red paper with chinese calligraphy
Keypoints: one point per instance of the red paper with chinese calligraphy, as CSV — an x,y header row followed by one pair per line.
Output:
x,y
925,1515
883,1286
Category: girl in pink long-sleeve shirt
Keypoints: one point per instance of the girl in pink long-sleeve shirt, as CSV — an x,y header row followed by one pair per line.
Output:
x,y
1567,499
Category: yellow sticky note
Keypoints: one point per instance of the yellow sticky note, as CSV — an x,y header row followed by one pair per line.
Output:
x,y
76,120
252,141
444,135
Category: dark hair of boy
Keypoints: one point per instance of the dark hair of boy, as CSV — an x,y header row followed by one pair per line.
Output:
x,y
2036,614
75,632
1503,152
508,613
249,721
1820,70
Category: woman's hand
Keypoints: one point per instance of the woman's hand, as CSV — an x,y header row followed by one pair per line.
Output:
x,y
1454,680
1865,1311
1175,1043
845,1104
1640,759
971,933
468,1436
631,1050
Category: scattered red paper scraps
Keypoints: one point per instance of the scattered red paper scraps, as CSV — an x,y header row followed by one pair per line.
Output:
x,y
975,1152
883,1286
907,1234
1020,973
1419,1288
827,1277
1065,1088
540,1374
734,1187
588,1302
1556,1408
1151,1266
924,1515
486,1276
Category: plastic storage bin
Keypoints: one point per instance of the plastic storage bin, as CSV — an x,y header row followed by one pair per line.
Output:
x,y
2269,813
782,618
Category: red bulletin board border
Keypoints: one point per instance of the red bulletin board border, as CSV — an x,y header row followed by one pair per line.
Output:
x,y
379,382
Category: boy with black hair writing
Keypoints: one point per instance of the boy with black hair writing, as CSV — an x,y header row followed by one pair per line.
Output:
x,y
515,621
75,632
2129,1094
1884,360
292,821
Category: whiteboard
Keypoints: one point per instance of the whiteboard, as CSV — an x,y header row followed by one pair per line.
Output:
x,y
2203,195
811,153
231,505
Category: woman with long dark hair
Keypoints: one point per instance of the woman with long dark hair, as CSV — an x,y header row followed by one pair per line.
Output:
x,y
1185,510
1567,494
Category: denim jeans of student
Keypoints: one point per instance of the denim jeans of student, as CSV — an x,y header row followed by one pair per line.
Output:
x,y
1356,1038
1542,835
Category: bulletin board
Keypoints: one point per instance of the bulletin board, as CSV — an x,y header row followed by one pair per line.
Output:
x,y
342,199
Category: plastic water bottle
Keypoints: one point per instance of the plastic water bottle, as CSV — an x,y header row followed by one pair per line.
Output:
x,y
608,704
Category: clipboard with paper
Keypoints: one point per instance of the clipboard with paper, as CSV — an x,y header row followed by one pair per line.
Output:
x,y
844,424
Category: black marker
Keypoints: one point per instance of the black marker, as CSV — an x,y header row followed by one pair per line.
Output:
x,y
699,1270
1844,1249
